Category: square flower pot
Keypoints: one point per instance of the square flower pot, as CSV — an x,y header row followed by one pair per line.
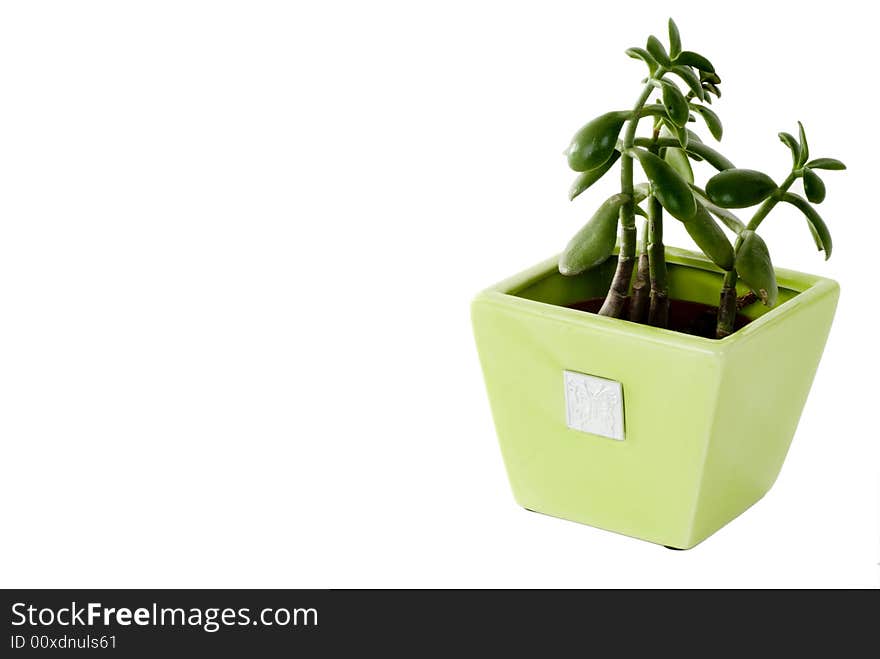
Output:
x,y
643,431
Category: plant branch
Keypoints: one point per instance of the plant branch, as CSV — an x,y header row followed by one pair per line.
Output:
x,y
727,307
769,203
617,293
638,307
705,152
658,313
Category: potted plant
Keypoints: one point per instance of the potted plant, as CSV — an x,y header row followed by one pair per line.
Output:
x,y
647,390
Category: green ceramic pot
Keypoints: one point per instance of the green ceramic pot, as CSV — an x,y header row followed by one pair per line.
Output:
x,y
705,424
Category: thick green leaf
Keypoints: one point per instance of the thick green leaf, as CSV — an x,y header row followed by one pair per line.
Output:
x,y
691,80
730,220
638,210
814,187
681,133
593,144
755,268
710,238
816,237
826,163
690,58
674,134
640,53
693,136
710,155
679,161
641,191
707,76
817,224
713,123
739,188
671,190
653,110
710,87
675,103
789,141
805,148
595,241
658,52
674,40
586,179
694,148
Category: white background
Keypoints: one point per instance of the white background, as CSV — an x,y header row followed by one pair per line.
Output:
x,y
239,241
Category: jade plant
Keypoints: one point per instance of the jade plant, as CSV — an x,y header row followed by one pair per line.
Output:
x,y
639,289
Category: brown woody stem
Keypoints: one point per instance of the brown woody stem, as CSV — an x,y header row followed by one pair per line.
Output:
x,y
617,293
638,309
658,313
615,300
727,306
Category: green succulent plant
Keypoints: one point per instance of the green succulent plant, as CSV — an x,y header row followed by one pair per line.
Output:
x,y
665,159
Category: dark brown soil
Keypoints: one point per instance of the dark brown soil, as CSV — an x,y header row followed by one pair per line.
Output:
x,y
684,316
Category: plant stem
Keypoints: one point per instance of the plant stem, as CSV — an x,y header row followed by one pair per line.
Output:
x,y
658,314
616,297
727,306
638,306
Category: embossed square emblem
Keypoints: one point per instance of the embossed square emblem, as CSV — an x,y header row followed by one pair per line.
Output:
x,y
594,405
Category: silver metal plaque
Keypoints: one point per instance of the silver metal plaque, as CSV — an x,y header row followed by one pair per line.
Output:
x,y
594,405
